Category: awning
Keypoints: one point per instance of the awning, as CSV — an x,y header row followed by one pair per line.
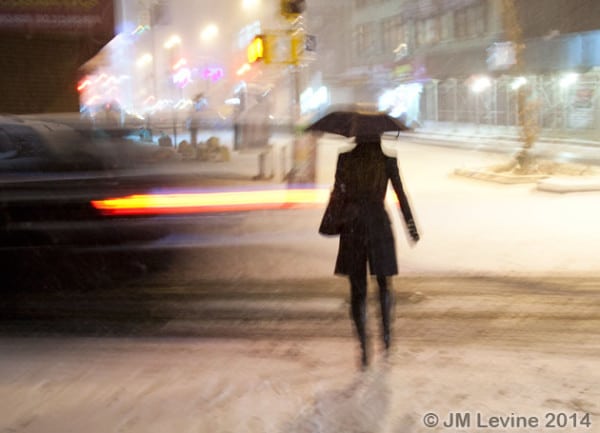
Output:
x,y
103,58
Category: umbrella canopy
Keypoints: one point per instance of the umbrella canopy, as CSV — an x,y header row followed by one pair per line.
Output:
x,y
354,123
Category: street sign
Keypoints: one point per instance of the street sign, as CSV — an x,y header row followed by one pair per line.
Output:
x,y
310,43
501,56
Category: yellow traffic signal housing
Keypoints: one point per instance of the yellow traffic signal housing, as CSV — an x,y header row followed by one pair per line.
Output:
x,y
257,48
277,47
297,43
291,9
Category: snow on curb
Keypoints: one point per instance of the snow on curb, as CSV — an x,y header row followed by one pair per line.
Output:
x,y
563,185
544,182
505,178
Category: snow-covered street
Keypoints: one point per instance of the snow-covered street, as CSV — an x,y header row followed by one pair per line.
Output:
x,y
497,321
191,385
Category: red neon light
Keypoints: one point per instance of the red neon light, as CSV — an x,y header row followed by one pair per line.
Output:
x,y
83,85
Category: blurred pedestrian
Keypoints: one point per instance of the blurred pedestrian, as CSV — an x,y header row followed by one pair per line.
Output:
x,y
165,140
145,134
366,235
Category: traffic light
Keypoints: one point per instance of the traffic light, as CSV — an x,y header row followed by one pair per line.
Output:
x,y
256,49
277,47
292,8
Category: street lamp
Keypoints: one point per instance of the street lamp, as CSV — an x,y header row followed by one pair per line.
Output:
x,y
144,60
250,4
209,33
518,83
173,41
480,84
568,80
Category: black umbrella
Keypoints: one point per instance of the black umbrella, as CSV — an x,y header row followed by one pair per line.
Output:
x,y
353,123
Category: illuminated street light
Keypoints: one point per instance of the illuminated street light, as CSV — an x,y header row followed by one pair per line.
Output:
x,y
480,84
243,69
518,83
569,79
250,4
182,77
144,60
209,33
179,64
173,41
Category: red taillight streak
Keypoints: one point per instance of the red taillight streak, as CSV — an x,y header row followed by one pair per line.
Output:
x,y
205,209
188,203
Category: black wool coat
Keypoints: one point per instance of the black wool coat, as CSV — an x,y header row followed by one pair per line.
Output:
x,y
362,175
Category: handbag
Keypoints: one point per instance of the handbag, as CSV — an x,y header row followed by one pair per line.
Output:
x,y
333,218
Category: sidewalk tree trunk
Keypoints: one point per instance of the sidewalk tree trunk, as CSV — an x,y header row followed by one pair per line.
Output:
x,y
527,109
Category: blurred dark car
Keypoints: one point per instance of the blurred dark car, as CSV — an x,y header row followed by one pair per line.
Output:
x,y
49,174
30,145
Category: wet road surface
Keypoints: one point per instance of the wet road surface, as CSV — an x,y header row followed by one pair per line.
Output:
x,y
560,314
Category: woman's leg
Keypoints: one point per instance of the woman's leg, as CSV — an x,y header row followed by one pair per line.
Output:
x,y
386,300
358,309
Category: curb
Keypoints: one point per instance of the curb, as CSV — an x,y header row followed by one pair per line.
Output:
x,y
564,185
507,138
491,176
543,182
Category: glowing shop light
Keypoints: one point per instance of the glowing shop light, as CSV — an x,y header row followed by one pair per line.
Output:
x,y
518,83
480,84
569,79
173,41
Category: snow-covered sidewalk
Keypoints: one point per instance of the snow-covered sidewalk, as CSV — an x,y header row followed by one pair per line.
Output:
x,y
185,385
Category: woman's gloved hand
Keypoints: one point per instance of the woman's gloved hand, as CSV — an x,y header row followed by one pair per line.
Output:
x,y
412,230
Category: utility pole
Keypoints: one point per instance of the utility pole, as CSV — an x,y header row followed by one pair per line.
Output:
x,y
304,146
297,26
285,47
153,49
292,11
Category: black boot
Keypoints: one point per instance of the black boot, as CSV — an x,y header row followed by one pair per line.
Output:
x,y
359,314
385,299
360,321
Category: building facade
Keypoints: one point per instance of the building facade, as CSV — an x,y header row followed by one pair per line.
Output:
x,y
42,45
453,61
